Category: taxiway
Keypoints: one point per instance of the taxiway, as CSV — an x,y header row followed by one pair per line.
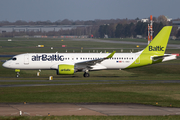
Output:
x,y
61,109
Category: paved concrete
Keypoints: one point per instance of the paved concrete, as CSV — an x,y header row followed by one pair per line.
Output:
x,y
61,109
82,82
132,109
44,109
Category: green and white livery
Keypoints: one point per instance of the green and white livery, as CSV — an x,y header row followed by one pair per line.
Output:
x,y
154,52
70,63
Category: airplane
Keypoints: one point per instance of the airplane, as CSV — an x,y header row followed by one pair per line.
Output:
x,y
70,63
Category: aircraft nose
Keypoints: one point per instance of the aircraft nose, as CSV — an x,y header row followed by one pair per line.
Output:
x,y
5,65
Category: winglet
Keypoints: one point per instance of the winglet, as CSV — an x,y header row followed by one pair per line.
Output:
x,y
111,55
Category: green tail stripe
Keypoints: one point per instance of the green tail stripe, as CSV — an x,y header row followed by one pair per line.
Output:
x,y
156,48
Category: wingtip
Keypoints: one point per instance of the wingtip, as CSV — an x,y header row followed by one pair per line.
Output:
x,y
111,55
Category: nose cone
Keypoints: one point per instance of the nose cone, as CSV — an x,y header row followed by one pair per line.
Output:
x,y
6,65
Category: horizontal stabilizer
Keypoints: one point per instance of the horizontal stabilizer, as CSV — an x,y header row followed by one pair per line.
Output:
x,y
159,57
165,57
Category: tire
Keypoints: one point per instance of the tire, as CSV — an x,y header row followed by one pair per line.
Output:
x,y
17,76
86,74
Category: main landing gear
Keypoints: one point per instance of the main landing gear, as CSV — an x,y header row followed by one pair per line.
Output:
x,y
86,74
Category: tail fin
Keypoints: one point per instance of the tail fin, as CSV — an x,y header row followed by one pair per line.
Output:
x,y
159,43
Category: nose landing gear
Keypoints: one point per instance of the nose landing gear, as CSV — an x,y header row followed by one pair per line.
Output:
x,y
18,72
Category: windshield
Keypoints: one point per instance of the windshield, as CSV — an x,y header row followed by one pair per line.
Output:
x,y
13,58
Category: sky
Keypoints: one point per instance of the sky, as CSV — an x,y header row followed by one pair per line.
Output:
x,y
54,10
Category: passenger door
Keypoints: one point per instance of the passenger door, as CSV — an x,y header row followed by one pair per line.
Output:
x,y
26,59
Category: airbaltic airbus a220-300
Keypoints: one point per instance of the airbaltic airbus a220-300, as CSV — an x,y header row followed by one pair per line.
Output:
x,y
69,63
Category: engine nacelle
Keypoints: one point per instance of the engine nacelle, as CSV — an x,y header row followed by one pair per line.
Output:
x,y
65,69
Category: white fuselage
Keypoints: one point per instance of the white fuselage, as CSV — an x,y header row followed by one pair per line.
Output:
x,y
52,60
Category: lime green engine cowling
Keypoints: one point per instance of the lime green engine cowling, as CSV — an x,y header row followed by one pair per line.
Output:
x,y
65,69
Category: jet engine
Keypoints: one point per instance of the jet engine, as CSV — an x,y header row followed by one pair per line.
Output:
x,y
65,69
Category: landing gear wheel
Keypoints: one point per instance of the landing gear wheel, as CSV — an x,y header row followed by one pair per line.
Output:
x,y
17,75
86,74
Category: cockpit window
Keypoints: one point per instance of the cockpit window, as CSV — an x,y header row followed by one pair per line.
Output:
x,y
14,58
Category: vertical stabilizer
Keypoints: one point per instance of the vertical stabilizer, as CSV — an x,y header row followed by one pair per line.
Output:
x,y
159,43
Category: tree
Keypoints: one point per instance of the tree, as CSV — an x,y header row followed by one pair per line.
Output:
x,y
119,31
157,27
66,22
104,30
141,28
178,34
162,18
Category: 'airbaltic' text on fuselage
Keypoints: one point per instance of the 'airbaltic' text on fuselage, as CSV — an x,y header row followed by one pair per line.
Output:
x,y
45,57
156,48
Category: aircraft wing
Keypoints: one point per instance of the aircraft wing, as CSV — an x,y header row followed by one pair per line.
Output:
x,y
88,64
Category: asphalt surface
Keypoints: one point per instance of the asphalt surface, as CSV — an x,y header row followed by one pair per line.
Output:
x,y
79,82
61,109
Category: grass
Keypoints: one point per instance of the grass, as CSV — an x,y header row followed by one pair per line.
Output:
x,y
29,46
140,40
100,93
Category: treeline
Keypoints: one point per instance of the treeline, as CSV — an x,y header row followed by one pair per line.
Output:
x,y
128,30
79,31
114,28
67,22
